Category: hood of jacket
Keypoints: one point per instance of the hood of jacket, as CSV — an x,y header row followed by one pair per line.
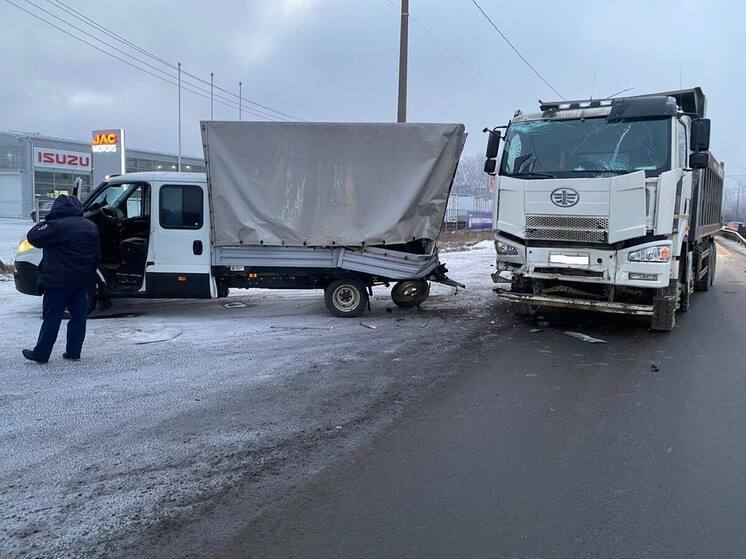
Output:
x,y
65,206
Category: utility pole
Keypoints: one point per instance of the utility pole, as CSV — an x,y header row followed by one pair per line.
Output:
x,y
239,100
178,157
212,85
403,52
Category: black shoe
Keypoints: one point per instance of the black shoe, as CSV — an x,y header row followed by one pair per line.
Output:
x,y
69,358
29,354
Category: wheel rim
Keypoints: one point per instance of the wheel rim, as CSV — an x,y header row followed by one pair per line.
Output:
x,y
411,291
346,298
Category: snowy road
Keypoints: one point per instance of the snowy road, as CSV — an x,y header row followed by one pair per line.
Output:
x,y
180,408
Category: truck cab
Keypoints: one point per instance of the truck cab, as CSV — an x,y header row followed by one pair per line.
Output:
x,y
608,205
155,238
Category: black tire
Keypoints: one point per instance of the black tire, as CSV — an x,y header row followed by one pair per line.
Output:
x,y
92,300
705,282
346,297
223,289
410,293
685,271
664,308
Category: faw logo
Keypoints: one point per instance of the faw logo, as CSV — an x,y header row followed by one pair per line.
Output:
x,y
564,197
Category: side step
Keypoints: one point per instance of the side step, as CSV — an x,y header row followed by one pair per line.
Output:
x,y
574,303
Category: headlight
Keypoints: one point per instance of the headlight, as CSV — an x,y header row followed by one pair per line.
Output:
x,y
505,249
651,254
25,246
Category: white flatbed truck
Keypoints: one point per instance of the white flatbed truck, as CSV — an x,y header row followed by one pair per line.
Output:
x,y
339,207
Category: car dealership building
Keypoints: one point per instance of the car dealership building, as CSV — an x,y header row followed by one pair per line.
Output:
x,y
35,169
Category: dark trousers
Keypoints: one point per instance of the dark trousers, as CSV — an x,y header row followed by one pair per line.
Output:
x,y
55,303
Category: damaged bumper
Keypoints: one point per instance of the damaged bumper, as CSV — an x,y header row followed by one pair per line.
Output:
x,y
576,303
583,264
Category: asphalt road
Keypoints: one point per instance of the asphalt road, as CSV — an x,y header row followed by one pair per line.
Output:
x,y
545,446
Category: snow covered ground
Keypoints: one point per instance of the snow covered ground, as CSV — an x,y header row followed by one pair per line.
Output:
x,y
179,406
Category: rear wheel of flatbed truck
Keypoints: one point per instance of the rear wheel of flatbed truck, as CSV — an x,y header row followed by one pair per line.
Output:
x,y
346,297
410,293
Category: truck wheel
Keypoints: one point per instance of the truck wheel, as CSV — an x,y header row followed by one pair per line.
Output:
x,y
703,284
92,300
222,289
346,297
410,293
685,284
664,308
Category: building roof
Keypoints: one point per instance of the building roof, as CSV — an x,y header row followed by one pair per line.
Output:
x,y
38,136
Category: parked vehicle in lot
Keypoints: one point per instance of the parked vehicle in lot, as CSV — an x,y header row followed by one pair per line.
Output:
x,y
608,205
339,207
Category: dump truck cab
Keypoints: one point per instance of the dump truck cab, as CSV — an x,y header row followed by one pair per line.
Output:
x,y
608,204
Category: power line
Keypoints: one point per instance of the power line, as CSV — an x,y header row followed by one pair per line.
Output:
x,y
534,70
257,112
78,15
454,54
125,61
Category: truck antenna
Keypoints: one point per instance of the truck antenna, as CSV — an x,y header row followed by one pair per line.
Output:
x,y
595,74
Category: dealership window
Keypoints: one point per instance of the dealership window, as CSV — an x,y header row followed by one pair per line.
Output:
x,y
138,164
10,157
181,207
50,184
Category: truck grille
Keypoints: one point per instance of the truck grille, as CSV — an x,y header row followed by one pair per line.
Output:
x,y
567,228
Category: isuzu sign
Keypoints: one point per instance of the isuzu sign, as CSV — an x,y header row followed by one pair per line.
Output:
x,y
62,159
105,141
564,197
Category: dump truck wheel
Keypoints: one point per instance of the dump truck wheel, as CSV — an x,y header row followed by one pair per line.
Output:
x,y
664,308
346,297
410,293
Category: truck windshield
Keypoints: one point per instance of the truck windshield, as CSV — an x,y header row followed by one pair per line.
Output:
x,y
586,147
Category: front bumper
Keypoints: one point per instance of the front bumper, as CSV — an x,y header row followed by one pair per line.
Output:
x,y
26,278
576,303
605,266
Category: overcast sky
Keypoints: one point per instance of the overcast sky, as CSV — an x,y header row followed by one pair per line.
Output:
x,y
336,60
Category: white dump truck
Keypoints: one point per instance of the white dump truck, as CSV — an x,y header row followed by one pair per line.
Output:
x,y
338,207
608,204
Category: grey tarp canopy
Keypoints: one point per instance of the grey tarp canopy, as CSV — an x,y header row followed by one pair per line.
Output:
x,y
329,184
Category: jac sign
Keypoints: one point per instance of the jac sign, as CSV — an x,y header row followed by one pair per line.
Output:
x,y
105,141
108,153
60,159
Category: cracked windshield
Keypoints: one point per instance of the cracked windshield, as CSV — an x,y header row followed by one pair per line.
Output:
x,y
592,147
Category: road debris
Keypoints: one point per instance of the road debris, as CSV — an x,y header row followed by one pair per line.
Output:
x,y
159,340
235,305
368,326
585,338
535,330
654,368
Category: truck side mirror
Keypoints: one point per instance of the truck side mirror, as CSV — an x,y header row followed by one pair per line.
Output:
x,y
489,166
493,144
699,160
700,137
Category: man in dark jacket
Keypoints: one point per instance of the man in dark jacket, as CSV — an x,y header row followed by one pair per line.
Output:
x,y
66,274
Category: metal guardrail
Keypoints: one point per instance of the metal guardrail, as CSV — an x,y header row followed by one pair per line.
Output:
x,y
732,236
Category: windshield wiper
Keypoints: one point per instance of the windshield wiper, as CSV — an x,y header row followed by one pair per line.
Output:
x,y
531,175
